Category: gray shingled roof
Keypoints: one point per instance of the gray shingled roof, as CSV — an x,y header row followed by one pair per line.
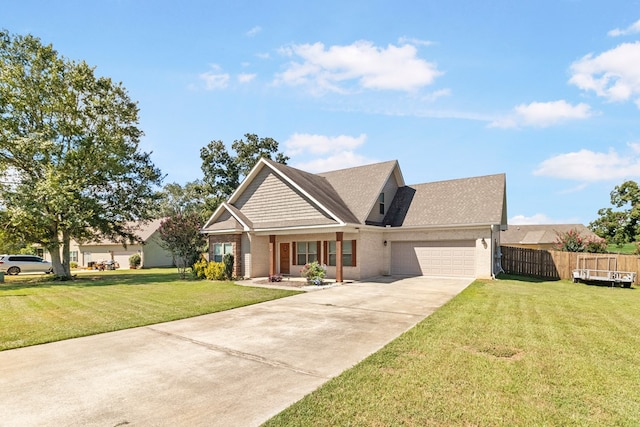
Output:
x,y
350,194
360,186
540,233
478,200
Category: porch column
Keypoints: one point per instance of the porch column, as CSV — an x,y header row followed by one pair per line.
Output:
x,y
272,254
339,236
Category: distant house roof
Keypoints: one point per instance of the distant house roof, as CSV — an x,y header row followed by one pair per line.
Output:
x,y
143,230
540,234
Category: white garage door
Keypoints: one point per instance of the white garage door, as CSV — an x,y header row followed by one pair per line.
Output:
x,y
450,258
122,258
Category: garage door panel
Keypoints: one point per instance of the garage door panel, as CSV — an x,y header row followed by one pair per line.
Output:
x,y
122,258
450,258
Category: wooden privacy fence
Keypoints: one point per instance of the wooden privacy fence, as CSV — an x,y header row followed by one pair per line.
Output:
x,y
556,264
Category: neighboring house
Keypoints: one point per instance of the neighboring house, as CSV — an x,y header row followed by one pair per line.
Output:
x,y
360,222
543,236
152,254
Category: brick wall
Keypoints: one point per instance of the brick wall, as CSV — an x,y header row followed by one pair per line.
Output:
x,y
236,241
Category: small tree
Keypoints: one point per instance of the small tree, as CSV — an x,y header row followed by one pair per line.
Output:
x,y
180,234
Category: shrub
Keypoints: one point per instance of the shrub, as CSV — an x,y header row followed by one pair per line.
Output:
x,y
314,272
596,245
227,260
214,271
135,261
198,268
73,264
572,241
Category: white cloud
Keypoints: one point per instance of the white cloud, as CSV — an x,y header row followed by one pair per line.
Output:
x,y
538,218
246,77
433,96
367,66
215,79
252,32
334,152
631,29
322,144
413,41
591,166
613,74
343,160
543,114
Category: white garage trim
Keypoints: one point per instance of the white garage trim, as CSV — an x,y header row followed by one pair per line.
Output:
x,y
434,258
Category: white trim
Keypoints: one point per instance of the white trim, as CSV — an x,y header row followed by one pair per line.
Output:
x,y
213,216
216,214
245,227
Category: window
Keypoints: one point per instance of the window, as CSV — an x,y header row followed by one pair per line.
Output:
x,y
347,253
306,252
220,250
381,203
73,256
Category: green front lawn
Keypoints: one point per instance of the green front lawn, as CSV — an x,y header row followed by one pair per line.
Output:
x,y
35,309
502,353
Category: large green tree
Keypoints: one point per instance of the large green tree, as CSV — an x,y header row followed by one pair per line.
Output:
x,y
224,170
176,199
623,225
69,152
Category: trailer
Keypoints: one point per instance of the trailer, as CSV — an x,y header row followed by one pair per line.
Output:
x,y
602,269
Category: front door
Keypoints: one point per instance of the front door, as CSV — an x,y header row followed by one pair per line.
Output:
x,y
284,258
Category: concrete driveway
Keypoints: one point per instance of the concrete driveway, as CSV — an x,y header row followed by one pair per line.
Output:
x,y
235,368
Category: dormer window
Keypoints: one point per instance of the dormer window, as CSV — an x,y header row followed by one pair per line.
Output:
x,y
381,203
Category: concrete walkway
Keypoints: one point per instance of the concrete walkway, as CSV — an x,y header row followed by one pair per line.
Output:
x,y
234,368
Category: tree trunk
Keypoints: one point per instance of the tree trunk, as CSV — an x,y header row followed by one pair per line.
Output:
x,y
56,262
66,255
61,267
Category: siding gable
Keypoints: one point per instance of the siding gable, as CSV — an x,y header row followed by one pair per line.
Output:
x,y
389,190
269,201
225,222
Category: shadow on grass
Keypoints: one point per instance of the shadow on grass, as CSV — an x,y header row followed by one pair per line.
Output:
x,y
528,279
94,279
603,284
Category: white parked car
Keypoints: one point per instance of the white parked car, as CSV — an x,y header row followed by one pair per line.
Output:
x,y
16,264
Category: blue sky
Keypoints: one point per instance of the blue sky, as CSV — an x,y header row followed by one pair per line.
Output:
x,y
547,92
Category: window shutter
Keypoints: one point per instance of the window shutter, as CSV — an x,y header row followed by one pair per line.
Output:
x,y
294,253
325,252
353,253
319,251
